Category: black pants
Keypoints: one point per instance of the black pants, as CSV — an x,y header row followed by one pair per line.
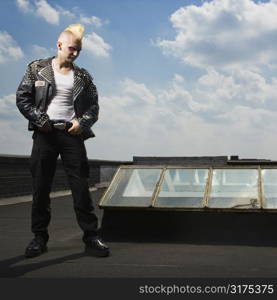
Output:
x,y
46,149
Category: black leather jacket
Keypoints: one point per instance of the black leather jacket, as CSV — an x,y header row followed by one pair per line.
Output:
x,y
38,88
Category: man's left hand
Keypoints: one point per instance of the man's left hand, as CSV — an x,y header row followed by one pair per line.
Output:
x,y
75,129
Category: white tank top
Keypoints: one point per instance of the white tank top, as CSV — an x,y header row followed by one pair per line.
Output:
x,y
61,106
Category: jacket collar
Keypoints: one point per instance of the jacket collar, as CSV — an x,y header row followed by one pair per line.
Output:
x,y
46,70
47,73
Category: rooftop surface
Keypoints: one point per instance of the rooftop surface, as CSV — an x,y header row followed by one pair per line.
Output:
x,y
194,256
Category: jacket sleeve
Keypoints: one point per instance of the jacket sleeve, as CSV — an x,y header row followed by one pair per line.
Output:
x,y
25,99
90,116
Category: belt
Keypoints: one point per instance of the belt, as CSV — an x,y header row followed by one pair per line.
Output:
x,y
60,124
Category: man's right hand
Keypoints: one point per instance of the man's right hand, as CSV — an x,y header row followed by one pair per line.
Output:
x,y
46,127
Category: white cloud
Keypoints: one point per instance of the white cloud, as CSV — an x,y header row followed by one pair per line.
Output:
x,y
41,52
65,12
41,8
7,106
224,34
15,138
243,117
52,14
9,50
96,45
178,78
222,92
137,93
179,99
95,21
47,12
177,121
24,5
234,41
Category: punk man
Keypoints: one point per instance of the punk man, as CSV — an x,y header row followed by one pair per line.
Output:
x,y
61,103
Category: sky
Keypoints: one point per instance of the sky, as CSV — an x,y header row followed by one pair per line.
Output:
x,y
174,77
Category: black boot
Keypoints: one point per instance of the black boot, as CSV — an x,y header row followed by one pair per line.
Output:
x,y
36,247
94,246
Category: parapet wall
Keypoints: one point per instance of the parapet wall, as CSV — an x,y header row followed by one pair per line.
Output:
x,y
15,177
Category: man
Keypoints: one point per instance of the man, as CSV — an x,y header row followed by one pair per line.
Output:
x,y
61,103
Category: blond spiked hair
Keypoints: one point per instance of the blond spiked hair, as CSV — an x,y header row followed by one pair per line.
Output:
x,y
76,29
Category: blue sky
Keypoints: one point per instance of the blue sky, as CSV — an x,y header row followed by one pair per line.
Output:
x,y
175,78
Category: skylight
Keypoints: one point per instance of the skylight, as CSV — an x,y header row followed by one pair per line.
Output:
x,y
231,188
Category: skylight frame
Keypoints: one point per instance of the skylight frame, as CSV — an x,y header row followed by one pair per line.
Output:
x,y
116,178
262,188
182,207
259,191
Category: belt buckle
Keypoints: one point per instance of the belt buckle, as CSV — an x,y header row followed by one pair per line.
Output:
x,y
60,126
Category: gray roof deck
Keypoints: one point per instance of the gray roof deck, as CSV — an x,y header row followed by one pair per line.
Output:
x,y
208,245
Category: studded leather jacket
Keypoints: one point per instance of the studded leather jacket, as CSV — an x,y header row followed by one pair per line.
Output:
x,y
38,88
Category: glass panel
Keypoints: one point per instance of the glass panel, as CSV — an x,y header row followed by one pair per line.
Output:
x,y
269,178
234,188
183,188
133,187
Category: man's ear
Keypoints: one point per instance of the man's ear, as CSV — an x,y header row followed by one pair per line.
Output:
x,y
59,45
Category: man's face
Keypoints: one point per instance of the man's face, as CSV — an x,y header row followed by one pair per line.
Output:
x,y
69,48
